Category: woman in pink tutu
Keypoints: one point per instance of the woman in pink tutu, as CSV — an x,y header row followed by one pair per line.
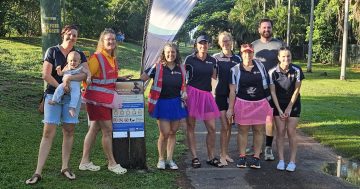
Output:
x,y
201,67
249,83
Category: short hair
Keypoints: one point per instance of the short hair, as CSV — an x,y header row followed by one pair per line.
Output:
x,y
225,33
284,48
265,20
174,46
68,28
100,45
76,54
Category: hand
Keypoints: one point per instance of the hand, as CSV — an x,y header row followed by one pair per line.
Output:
x,y
287,112
184,95
128,76
282,115
58,70
229,113
66,89
88,81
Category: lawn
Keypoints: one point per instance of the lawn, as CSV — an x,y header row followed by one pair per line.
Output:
x,y
21,127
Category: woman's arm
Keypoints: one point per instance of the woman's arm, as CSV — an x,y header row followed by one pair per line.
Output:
x,y
276,101
144,77
230,111
293,98
46,74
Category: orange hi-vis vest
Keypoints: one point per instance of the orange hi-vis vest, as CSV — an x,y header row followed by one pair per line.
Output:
x,y
157,85
101,90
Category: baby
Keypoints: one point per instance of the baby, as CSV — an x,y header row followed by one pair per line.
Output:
x,y
73,67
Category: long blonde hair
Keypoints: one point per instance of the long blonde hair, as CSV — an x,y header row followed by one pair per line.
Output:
x,y
100,45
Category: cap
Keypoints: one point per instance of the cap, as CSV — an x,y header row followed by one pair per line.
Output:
x,y
247,47
202,38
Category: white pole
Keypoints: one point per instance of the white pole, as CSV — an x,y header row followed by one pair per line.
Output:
x,y
288,25
309,64
344,45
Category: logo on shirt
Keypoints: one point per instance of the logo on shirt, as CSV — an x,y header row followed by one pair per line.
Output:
x,y
175,72
208,62
251,91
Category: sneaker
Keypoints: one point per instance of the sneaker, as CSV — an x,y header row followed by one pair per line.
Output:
x,y
291,166
269,154
281,165
172,165
255,163
241,163
161,164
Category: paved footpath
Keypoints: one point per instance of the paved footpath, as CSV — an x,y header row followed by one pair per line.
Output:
x,y
310,159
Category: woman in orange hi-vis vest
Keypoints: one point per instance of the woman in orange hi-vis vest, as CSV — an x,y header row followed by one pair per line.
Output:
x,y
166,100
99,97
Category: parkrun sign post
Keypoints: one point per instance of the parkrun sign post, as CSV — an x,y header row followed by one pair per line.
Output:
x,y
129,125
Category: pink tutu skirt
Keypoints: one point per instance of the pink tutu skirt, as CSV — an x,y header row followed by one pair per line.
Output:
x,y
201,104
252,112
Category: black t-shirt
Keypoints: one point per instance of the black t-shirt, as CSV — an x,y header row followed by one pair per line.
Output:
x,y
250,86
55,57
224,64
285,82
199,72
172,80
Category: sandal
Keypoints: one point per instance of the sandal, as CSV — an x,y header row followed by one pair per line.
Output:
x,y
70,175
35,176
89,166
195,163
118,169
215,162
223,161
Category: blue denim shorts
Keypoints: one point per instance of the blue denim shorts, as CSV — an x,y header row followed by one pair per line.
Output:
x,y
59,113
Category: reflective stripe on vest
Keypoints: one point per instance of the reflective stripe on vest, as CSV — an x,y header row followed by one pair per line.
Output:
x,y
100,89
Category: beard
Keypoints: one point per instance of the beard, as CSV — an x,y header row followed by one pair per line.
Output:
x,y
266,34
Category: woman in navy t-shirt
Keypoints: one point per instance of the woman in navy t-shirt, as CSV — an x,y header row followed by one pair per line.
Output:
x,y
166,100
201,67
285,82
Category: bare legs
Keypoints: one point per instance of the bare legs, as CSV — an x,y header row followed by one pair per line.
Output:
x,y
225,134
243,136
49,132
167,138
289,126
106,129
210,137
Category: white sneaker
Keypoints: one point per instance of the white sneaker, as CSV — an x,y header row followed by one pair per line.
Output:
x,y
161,164
281,165
172,165
291,166
269,154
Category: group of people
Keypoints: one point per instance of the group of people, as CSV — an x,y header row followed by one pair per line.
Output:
x,y
250,87
258,90
64,68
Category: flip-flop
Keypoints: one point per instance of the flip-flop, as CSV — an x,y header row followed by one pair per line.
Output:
x,y
117,169
215,162
89,166
195,163
35,176
71,174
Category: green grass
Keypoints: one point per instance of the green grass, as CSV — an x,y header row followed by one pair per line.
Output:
x,y
330,110
21,127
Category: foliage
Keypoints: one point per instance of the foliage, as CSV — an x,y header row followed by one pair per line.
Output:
x,y
210,17
297,24
324,36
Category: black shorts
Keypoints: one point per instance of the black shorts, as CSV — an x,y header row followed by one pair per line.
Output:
x,y
222,102
295,112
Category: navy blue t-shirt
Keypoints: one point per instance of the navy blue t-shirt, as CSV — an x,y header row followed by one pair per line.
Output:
x,y
172,81
250,86
199,73
285,82
224,64
55,57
